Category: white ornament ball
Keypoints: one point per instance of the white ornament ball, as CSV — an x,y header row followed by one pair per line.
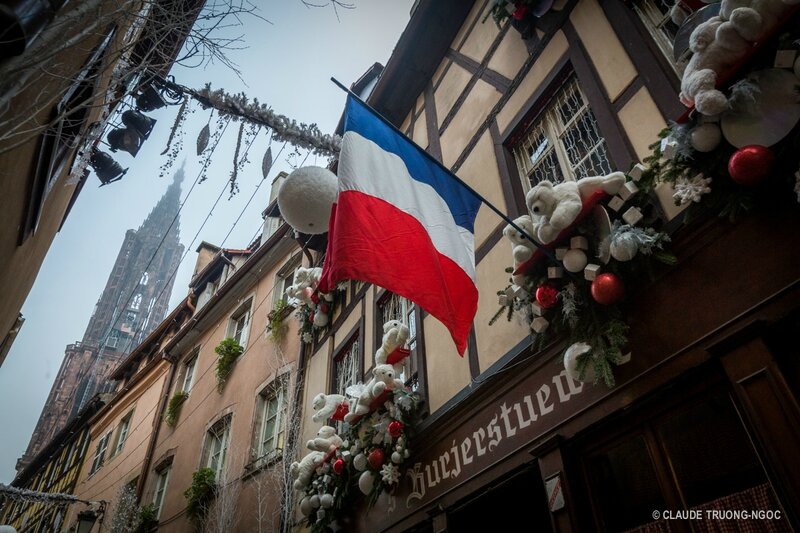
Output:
x,y
314,501
706,137
397,458
571,362
575,260
326,501
305,507
306,197
360,462
320,319
366,482
623,248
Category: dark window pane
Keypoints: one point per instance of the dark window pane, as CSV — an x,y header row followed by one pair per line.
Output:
x,y
624,485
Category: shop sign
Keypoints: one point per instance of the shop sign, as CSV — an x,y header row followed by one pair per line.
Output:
x,y
507,423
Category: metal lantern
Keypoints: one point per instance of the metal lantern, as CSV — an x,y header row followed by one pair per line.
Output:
x,y
139,122
107,170
150,100
86,520
125,139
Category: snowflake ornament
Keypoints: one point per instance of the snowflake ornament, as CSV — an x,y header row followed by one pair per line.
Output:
x,y
691,190
390,474
307,338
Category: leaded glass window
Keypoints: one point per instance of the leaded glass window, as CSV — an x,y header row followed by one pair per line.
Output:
x,y
564,143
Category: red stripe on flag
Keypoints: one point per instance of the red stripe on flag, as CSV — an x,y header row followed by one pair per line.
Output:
x,y
373,241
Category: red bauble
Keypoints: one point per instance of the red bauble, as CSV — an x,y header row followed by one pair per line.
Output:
x,y
395,429
323,307
607,289
546,296
338,466
376,458
311,317
751,165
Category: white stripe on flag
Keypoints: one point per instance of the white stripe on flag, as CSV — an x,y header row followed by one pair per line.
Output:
x,y
367,168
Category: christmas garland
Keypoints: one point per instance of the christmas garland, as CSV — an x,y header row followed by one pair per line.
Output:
x,y
572,286
314,308
376,424
725,164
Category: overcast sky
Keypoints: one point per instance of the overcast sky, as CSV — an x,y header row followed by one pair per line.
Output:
x,y
287,65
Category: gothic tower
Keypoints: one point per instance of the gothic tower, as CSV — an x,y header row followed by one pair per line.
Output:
x,y
133,303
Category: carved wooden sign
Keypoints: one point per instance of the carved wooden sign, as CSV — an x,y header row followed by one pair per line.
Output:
x,y
506,423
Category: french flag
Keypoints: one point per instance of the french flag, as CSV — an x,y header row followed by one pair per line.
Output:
x,y
402,222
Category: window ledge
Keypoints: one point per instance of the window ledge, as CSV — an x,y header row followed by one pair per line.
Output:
x,y
262,463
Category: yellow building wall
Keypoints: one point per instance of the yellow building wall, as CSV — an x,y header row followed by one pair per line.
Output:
x,y
605,50
480,101
448,372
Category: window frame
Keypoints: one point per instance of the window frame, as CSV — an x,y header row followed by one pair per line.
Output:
x,y
416,359
160,490
188,370
548,123
120,438
354,337
242,311
219,431
100,453
647,13
277,391
284,274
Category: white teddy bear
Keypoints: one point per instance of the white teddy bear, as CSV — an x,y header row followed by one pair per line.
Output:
x,y
326,405
720,42
522,248
395,335
326,440
302,471
554,207
383,378
304,278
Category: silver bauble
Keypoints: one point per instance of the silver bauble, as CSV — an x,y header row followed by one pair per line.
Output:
x,y
623,247
706,137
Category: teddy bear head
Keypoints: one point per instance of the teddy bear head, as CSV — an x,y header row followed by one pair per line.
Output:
x,y
326,432
319,401
391,324
541,200
513,235
384,373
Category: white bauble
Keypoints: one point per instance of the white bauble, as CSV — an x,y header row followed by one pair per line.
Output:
x,y
305,506
305,199
397,458
366,482
623,247
706,137
571,361
7,529
326,500
314,501
360,462
575,260
320,319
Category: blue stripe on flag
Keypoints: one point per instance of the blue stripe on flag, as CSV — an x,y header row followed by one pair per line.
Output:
x,y
463,205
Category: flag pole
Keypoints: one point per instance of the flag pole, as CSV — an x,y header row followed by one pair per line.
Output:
x,y
440,165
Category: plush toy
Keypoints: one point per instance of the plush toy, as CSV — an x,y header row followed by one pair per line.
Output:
x,y
571,356
326,440
555,207
395,335
521,248
383,378
720,42
305,281
326,405
302,471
